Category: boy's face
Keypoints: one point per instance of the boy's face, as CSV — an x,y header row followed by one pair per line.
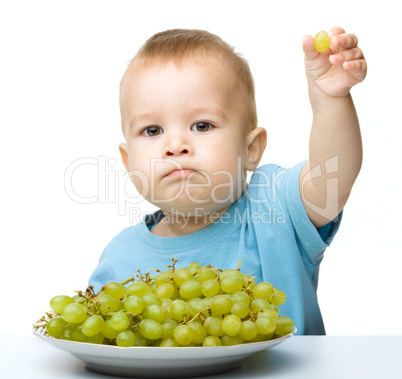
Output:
x,y
186,144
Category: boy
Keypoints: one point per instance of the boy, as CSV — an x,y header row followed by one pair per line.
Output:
x,y
189,120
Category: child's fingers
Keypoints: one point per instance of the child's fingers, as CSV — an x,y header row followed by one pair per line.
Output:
x,y
357,68
344,41
346,55
334,31
308,47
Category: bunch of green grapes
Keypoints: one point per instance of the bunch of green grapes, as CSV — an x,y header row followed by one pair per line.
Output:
x,y
192,306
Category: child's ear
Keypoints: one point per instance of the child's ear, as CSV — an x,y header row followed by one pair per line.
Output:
x,y
256,141
124,156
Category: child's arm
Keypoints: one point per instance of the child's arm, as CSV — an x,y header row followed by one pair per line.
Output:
x,y
335,152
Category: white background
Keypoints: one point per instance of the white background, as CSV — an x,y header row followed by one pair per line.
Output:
x,y
61,63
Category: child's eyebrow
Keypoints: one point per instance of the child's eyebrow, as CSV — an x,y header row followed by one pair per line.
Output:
x,y
142,117
210,110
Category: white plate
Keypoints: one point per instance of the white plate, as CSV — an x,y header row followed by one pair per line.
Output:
x,y
160,362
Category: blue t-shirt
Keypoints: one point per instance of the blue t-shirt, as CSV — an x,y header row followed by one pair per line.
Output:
x,y
267,228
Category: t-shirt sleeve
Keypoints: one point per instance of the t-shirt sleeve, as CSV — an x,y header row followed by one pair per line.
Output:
x,y
312,241
102,273
110,262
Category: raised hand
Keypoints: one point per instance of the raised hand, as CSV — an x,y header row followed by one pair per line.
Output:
x,y
335,71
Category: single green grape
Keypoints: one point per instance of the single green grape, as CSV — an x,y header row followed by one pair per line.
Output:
x,y
269,313
248,330
230,273
108,303
193,267
231,340
78,336
231,325
241,297
108,332
205,274
167,328
278,298
138,289
179,309
133,304
115,289
284,326
126,338
55,327
210,288
140,340
261,337
181,275
240,310
191,288
259,304
221,304
154,312
59,302
263,290
168,342
151,298
183,334
197,305
163,277
199,332
93,325
212,341
74,313
67,333
97,338
265,325
165,291
232,284
322,41
213,326
119,322
150,329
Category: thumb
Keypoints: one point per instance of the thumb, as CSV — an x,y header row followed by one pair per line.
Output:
x,y
308,47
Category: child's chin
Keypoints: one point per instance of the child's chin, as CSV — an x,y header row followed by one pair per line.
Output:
x,y
193,210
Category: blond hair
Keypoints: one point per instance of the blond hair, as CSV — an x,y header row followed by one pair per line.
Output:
x,y
178,44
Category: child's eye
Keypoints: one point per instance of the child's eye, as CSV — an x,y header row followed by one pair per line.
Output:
x,y
202,126
152,131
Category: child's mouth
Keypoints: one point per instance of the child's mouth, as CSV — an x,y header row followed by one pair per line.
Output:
x,y
180,173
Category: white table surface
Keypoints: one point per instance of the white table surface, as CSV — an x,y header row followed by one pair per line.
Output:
x,y
300,357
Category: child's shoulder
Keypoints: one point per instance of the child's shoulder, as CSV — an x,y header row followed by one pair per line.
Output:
x,y
268,173
276,172
267,167
130,233
122,239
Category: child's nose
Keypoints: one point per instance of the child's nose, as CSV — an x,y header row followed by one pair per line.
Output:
x,y
171,152
176,146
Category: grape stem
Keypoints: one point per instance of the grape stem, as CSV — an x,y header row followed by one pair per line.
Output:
x,y
128,280
101,310
248,290
147,278
195,316
36,326
174,261
213,268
